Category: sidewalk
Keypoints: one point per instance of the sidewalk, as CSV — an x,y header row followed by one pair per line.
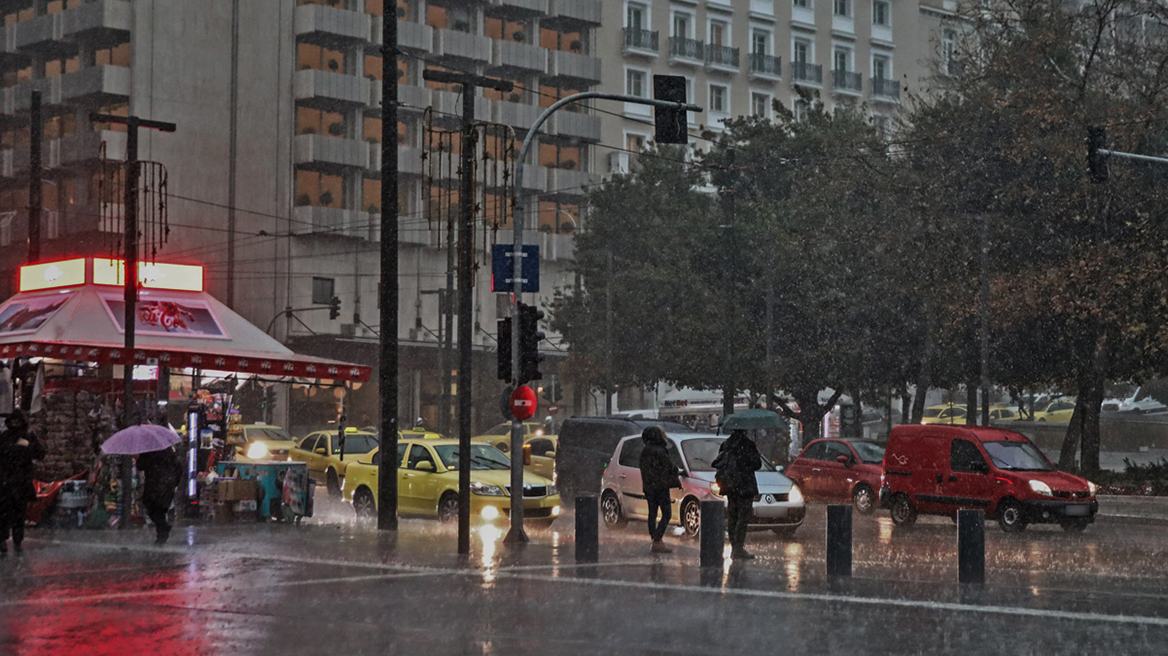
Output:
x,y
1133,508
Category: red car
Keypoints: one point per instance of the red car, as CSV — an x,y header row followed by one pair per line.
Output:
x,y
840,470
937,470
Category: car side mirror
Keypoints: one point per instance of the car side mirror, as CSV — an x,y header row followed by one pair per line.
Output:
x,y
321,451
779,468
844,460
681,472
425,465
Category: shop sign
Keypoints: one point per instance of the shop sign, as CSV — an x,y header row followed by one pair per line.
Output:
x,y
171,316
51,275
151,275
26,315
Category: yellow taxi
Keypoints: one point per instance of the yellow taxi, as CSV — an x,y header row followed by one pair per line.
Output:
x,y
427,484
419,434
1058,411
500,436
944,414
322,451
262,442
540,452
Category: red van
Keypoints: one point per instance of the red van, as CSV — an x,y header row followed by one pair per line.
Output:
x,y
937,470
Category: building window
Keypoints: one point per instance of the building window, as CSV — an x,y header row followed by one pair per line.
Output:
x,y
800,51
948,50
636,16
719,102
799,109
635,142
881,12
760,105
760,42
719,33
682,25
323,290
841,8
881,68
635,83
841,59
802,4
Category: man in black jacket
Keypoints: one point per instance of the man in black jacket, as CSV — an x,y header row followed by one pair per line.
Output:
x,y
162,472
658,475
18,449
736,463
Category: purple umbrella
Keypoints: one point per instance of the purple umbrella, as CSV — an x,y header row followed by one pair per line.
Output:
x,y
140,439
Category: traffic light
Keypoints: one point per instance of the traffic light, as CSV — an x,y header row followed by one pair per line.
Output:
x,y
1097,161
334,307
504,337
672,124
553,392
529,339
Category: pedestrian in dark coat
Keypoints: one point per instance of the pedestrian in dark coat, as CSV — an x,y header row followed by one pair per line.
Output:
x,y
736,463
658,476
162,472
18,449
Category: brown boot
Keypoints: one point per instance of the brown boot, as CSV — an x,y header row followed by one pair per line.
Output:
x,y
659,547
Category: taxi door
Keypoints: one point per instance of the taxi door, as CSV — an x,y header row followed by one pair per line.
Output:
x,y
416,480
543,457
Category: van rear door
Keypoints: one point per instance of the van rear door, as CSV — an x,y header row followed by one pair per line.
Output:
x,y
929,474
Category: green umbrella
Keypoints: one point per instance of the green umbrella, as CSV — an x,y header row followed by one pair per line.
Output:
x,y
749,419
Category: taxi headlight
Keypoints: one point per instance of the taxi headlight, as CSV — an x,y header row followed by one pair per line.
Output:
x,y
551,490
486,490
257,451
716,489
796,495
1091,487
1041,488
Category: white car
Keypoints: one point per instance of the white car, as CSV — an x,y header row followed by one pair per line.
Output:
x,y
778,507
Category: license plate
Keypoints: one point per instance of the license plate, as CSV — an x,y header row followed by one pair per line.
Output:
x,y
1077,511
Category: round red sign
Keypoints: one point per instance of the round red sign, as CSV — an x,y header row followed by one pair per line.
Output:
x,y
553,409
523,402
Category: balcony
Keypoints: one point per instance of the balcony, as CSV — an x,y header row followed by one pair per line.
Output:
x,y
517,9
508,55
807,73
580,69
448,107
409,161
319,152
765,67
332,221
54,34
639,42
847,81
568,184
722,58
462,45
410,36
331,27
409,98
330,91
57,153
885,89
573,13
574,124
690,52
516,115
96,82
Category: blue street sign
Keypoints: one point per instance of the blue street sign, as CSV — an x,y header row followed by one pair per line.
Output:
x,y
502,268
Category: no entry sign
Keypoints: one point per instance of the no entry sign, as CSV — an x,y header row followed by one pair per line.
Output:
x,y
523,402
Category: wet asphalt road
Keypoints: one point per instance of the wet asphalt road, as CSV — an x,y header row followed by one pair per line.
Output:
x,y
331,586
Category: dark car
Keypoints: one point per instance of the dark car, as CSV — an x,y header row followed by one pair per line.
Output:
x,y
840,470
586,445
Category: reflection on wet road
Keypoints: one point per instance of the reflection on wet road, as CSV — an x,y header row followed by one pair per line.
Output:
x,y
334,586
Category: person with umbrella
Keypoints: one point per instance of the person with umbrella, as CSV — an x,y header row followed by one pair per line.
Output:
x,y
18,449
157,460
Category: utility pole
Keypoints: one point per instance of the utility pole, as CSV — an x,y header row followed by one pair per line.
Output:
x,y
130,273
985,320
35,185
387,287
729,385
608,334
465,285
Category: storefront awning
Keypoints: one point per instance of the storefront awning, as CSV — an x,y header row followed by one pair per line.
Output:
x,y
174,328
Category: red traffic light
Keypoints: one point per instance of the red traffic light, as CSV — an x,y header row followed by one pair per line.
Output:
x,y
523,403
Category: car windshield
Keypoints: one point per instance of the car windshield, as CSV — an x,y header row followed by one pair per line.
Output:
x,y
933,412
1017,456
700,453
482,456
870,454
356,444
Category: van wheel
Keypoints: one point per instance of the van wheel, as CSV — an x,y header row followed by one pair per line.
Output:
x,y
902,511
691,518
333,484
1010,516
864,499
611,511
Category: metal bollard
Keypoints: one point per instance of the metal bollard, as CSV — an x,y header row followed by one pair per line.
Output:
x,y
587,529
839,540
713,536
971,546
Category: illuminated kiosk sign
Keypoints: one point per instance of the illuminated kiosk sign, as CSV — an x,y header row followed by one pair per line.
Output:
x,y
52,275
157,275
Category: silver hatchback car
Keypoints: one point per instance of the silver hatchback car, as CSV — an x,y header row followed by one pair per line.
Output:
x,y
779,505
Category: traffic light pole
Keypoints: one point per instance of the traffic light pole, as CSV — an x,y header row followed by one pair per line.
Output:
x,y
517,535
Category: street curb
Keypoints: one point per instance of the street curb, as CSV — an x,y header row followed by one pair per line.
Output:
x,y
1132,519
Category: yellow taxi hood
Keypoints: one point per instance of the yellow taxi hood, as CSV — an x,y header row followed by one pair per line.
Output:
x,y
502,477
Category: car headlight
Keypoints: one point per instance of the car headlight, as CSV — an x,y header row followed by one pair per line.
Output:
x,y
487,490
257,451
716,489
1091,487
796,495
551,489
1041,488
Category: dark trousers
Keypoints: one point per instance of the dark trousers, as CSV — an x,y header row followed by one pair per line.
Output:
x,y
157,514
12,521
738,512
658,500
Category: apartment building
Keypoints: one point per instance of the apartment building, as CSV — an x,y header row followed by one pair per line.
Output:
x,y
740,56
274,170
